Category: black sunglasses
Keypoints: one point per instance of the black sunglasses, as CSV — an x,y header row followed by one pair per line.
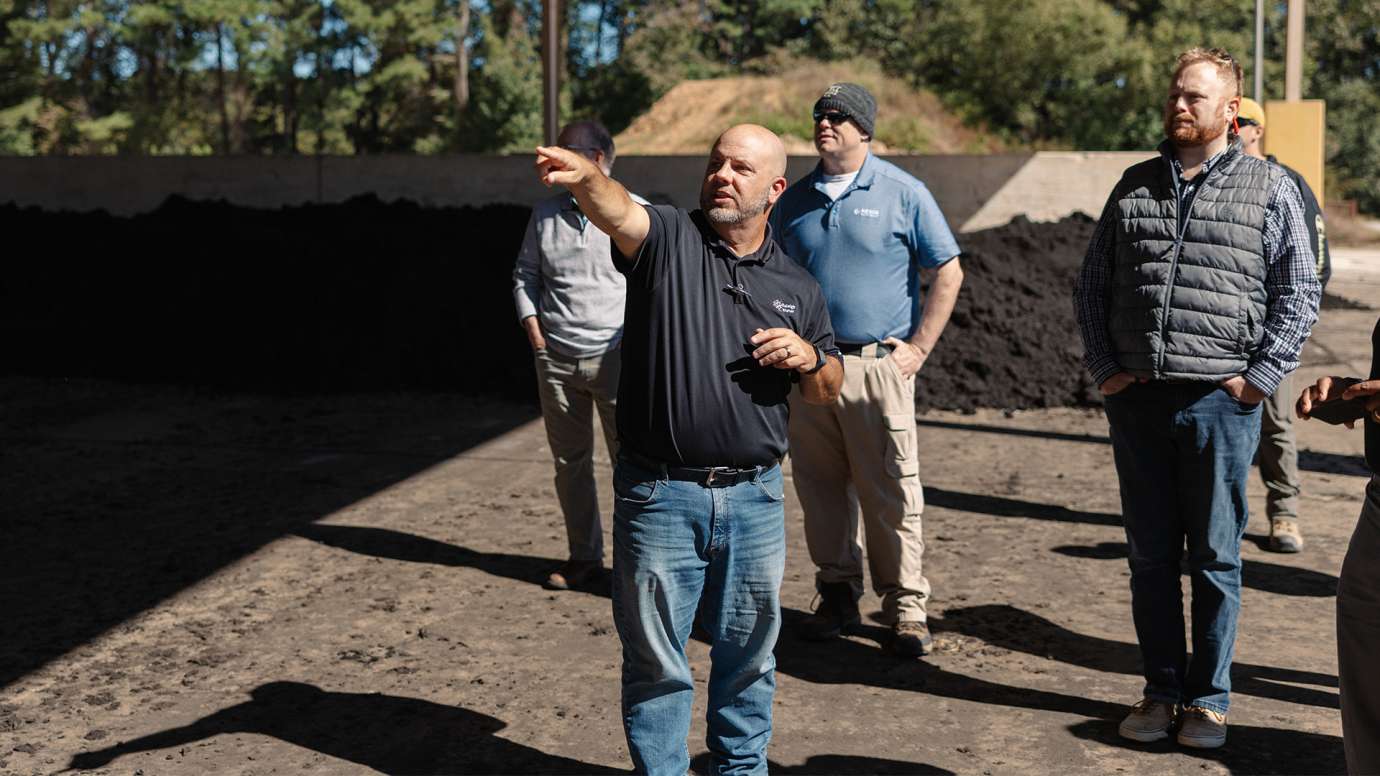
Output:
x,y
833,116
1240,122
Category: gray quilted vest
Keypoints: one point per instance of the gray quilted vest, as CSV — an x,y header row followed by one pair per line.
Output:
x,y
1188,300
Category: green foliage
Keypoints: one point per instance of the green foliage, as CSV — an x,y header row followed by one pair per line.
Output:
x,y
906,133
369,76
1037,70
796,125
18,128
506,111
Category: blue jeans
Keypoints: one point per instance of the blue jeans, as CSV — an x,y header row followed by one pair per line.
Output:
x,y
678,547
1183,452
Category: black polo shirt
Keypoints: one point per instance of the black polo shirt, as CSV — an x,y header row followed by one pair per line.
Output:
x,y
690,392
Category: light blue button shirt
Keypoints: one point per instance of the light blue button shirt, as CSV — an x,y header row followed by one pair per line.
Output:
x,y
866,247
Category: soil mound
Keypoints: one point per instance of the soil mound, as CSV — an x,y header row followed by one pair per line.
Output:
x,y
363,295
688,118
1013,340
367,296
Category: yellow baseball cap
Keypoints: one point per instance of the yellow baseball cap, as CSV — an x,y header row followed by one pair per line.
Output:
x,y
1251,112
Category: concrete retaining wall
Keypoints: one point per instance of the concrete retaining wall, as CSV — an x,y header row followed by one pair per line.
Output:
x,y
975,192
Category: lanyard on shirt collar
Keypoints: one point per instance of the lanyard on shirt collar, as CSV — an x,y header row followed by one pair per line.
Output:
x,y
579,214
735,286
739,293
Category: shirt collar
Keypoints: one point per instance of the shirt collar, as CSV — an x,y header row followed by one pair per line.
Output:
x,y
866,173
763,254
1231,150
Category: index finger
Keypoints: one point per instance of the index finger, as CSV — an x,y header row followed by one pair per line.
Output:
x,y
763,335
1365,388
555,152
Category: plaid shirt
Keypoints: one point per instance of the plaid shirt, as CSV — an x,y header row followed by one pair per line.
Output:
x,y
1290,281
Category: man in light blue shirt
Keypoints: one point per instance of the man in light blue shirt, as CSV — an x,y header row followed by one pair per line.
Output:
x,y
870,233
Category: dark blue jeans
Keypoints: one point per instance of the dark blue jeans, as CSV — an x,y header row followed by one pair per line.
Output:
x,y
679,547
1183,451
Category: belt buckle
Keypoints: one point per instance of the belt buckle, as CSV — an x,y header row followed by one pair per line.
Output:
x,y
709,480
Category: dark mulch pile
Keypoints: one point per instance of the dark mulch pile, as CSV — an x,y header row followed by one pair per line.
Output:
x,y
363,295
368,295
1013,341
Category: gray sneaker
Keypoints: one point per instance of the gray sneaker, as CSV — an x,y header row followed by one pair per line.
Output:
x,y
1285,535
1149,720
1203,728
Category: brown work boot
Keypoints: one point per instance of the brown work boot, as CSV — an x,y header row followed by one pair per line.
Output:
x,y
837,611
1285,535
911,639
1150,720
573,573
1203,728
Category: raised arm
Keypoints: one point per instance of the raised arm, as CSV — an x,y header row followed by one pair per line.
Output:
x,y
603,200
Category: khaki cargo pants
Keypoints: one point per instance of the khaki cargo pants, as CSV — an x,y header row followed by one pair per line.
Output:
x,y
861,451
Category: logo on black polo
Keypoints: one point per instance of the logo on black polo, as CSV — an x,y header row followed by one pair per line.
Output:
x,y
783,307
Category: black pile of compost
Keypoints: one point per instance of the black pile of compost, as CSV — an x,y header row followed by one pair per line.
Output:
x,y
367,296
1013,340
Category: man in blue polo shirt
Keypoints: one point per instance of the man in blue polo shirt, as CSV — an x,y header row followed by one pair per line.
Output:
x,y
870,234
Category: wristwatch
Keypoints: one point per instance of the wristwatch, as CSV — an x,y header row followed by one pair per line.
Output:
x,y
823,359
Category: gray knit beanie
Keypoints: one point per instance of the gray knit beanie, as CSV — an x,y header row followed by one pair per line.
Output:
x,y
852,99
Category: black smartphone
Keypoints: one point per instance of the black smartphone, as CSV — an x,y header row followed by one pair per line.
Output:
x,y
1339,411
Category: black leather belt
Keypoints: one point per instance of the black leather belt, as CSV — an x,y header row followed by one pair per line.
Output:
x,y
708,476
853,350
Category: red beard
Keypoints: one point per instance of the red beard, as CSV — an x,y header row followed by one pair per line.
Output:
x,y
1188,135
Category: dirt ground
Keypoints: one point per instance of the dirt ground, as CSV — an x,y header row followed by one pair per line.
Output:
x,y
243,584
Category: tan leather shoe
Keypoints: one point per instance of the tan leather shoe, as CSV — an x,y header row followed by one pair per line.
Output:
x,y
911,639
1149,720
1202,728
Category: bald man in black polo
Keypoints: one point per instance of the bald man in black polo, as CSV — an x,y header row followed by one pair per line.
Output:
x,y
720,324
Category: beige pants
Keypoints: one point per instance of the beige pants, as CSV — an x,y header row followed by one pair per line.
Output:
x,y
1358,639
571,388
860,451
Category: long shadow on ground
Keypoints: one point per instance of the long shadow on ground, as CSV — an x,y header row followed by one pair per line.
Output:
x,y
1258,575
1255,574
396,545
834,763
117,497
1250,750
849,661
386,733
1309,460
1000,506
1021,631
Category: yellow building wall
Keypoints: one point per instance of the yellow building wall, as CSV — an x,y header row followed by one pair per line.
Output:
x,y
1295,133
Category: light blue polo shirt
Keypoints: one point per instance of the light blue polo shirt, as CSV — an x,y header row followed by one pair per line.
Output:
x,y
867,247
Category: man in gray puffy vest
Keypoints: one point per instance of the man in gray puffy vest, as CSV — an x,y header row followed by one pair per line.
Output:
x,y
1194,301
